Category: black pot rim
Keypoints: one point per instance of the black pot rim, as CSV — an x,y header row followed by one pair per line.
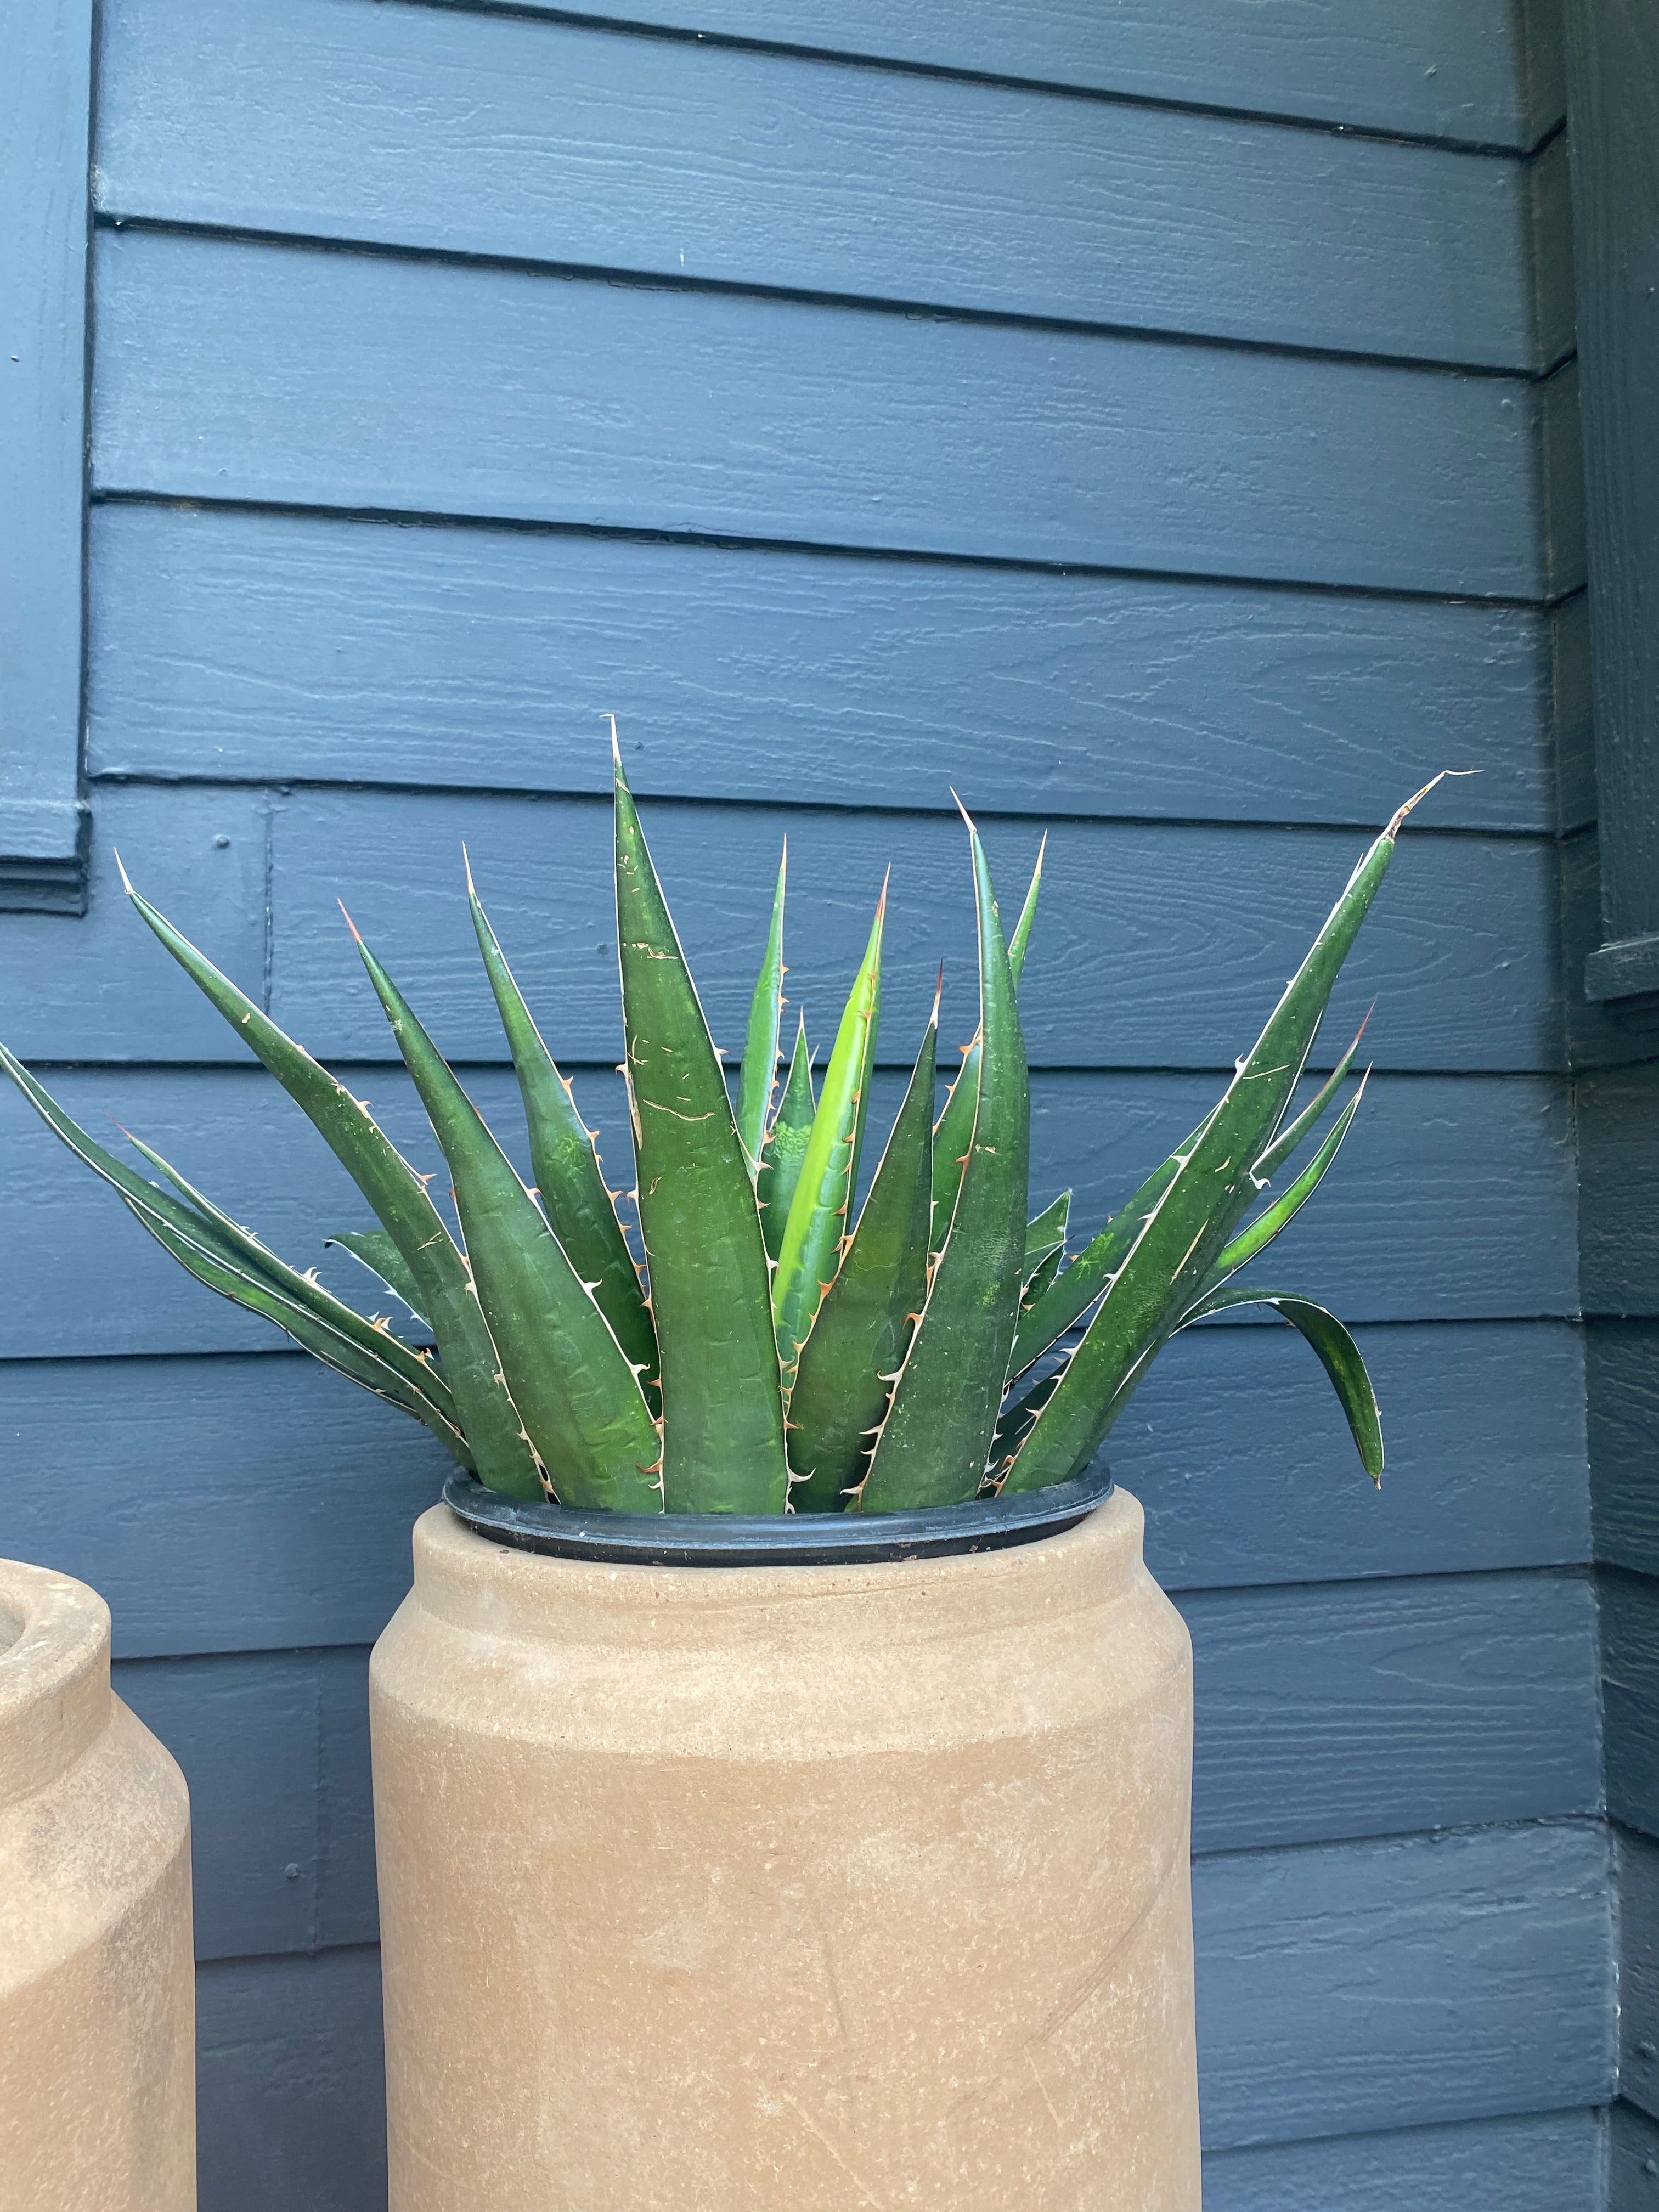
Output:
x,y
801,1540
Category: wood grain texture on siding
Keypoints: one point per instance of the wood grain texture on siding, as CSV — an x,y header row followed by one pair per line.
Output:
x,y
291,2084
1621,1360
1156,945
249,644
1334,1713
1354,1986
1159,945
275,1748
1462,70
275,373
555,142
1234,1446
1630,1689
1365,1709
1637,1859
104,988
1544,2163
1453,1199
1248,1476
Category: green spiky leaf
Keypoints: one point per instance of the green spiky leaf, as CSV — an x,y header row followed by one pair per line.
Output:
x,y
583,1411
233,1262
399,1197
858,1340
785,1145
1212,1187
941,1419
1293,1134
564,1159
760,1049
374,1249
818,1212
1274,1220
722,1401
1045,1247
955,1126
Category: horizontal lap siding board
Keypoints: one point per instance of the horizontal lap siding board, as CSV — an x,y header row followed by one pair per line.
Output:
x,y
1445,68
1332,1714
290,2084
275,373
243,646
1487,1957
1159,945
1545,2162
554,142
1452,1201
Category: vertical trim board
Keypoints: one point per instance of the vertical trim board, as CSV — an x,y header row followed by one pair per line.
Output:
x,y
44,121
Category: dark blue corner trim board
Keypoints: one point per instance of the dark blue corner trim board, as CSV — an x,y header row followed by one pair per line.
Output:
x,y
44,122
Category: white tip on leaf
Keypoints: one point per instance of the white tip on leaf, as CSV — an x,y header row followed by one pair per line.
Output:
x,y
126,880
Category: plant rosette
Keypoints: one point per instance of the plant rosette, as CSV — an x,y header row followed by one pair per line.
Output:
x,y
782,1759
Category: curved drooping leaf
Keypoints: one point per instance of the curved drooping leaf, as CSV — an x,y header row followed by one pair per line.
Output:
x,y
487,1414
565,1160
955,1126
785,1145
1339,1355
583,1411
231,1261
722,1400
818,1211
940,1421
1213,1186
760,1046
374,1249
848,1360
1271,1222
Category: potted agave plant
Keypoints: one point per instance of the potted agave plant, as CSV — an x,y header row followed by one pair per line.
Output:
x,y
781,1762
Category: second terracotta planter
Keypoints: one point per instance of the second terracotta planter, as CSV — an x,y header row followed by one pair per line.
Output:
x,y
728,1889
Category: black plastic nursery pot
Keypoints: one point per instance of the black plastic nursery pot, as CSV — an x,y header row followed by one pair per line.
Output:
x,y
731,1539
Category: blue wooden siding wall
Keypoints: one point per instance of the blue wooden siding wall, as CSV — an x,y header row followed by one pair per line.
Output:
x,y
1159,422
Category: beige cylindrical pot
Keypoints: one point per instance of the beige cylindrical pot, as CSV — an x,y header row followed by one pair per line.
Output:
x,y
97,1992
734,1889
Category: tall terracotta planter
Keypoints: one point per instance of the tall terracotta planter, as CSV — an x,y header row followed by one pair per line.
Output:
x,y
732,1889
97,1998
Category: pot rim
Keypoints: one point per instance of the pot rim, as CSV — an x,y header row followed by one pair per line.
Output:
x,y
735,1540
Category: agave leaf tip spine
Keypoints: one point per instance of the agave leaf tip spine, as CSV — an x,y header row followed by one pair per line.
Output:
x,y
126,880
